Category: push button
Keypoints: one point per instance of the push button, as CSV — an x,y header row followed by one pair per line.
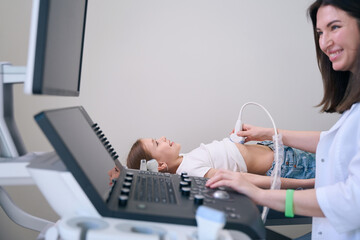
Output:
x,y
185,191
123,200
198,199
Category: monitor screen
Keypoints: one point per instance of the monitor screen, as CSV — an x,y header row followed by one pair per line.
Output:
x,y
55,47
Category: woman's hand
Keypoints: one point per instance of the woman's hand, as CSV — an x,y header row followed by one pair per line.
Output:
x,y
305,201
234,180
253,133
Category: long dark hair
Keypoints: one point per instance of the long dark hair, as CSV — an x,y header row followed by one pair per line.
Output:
x,y
136,153
341,88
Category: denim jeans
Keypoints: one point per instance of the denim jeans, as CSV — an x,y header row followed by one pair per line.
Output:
x,y
297,163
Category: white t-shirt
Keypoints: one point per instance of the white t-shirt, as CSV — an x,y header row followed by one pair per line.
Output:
x,y
218,154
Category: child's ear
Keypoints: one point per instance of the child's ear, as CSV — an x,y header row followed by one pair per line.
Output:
x,y
163,167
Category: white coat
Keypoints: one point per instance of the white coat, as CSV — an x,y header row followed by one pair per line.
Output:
x,y
338,179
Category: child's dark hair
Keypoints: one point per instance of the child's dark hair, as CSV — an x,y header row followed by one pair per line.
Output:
x,y
136,153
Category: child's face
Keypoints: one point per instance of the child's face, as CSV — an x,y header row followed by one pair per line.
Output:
x,y
162,149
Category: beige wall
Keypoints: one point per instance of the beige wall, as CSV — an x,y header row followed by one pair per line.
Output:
x,y
181,69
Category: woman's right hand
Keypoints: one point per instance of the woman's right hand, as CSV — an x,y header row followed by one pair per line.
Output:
x,y
235,180
254,133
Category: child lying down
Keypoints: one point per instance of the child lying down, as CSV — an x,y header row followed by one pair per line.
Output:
x,y
256,161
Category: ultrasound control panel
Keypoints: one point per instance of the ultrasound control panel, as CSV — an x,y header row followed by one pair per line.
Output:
x,y
175,198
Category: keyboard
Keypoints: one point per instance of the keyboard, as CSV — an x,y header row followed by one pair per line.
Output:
x,y
154,187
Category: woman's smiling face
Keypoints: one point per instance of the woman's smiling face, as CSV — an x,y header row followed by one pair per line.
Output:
x,y
339,37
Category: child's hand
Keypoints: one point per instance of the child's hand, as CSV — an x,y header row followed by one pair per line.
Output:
x,y
114,173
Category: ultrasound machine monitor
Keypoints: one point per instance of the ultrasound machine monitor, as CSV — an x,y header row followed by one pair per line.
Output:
x,y
55,52
54,63
137,195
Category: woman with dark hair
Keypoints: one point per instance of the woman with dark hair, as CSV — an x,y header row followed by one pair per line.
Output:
x,y
335,201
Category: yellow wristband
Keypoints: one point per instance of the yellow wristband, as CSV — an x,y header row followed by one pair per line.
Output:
x,y
289,203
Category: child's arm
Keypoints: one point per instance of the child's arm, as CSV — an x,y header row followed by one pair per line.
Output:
x,y
210,173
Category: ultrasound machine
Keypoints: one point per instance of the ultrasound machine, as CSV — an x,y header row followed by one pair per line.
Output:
x,y
73,178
